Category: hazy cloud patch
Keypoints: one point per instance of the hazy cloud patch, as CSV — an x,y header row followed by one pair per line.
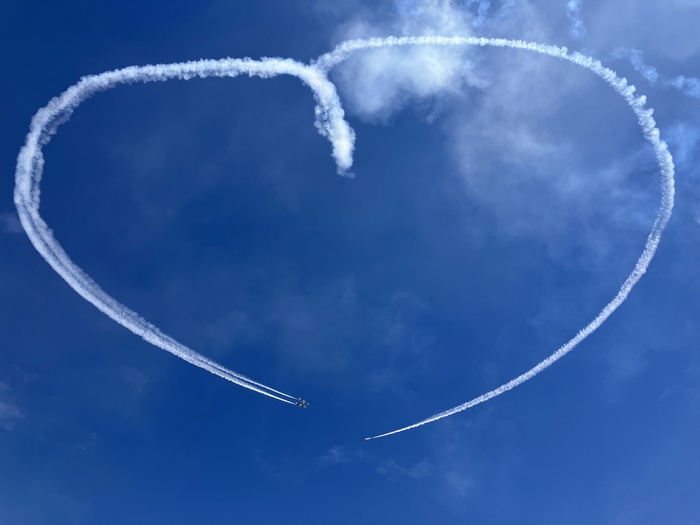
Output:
x,y
577,29
134,377
9,223
339,455
392,470
10,413
376,84
689,86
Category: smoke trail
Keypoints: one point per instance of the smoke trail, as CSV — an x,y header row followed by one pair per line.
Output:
x,y
482,19
478,10
573,12
689,86
651,133
636,58
482,11
329,121
331,124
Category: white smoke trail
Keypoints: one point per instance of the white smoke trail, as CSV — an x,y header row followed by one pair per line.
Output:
x,y
651,133
573,12
482,11
636,58
329,121
482,19
689,86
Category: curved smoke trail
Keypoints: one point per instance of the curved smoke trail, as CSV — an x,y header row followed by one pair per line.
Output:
x,y
331,124
651,133
329,121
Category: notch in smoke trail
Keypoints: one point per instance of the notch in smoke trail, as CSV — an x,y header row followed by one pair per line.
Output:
x,y
30,162
377,85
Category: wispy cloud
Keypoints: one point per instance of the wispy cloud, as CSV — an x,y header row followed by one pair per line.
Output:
x,y
134,377
9,223
392,470
329,122
486,14
339,455
10,413
684,141
684,138
377,83
481,12
460,483
651,133
577,29
689,86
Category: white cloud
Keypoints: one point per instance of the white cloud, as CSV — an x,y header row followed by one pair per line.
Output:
x,y
526,146
541,153
689,86
377,83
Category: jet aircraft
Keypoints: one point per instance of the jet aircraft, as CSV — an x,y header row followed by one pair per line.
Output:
x,y
301,403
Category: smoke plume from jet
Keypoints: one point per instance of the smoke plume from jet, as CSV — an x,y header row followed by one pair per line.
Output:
x,y
330,123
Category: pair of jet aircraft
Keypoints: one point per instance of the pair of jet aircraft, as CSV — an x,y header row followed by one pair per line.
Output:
x,y
301,403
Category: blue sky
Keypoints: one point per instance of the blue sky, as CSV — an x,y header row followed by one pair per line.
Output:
x,y
500,199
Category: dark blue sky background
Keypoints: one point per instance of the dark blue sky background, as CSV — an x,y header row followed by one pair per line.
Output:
x,y
493,213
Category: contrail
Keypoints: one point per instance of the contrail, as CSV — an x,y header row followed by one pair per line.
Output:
x,y
651,133
482,19
689,86
329,121
573,12
331,124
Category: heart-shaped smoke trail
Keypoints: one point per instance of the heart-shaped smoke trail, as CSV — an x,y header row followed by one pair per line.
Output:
x,y
330,123
651,133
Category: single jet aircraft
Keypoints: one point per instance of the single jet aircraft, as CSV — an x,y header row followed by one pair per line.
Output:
x,y
301,403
